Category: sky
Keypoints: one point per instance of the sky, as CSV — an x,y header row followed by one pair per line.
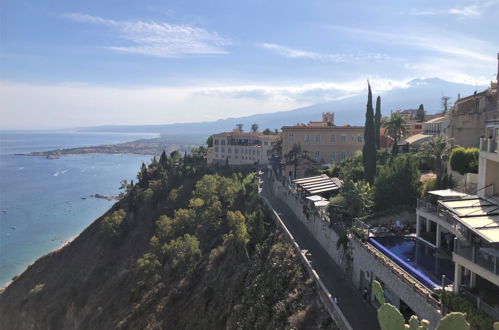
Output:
x,y
85,63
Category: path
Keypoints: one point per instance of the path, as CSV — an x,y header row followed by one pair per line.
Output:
x,y
360,314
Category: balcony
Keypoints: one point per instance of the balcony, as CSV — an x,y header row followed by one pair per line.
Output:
x,y
490,144
485,257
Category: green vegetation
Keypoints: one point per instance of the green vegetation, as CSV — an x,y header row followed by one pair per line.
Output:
x,y
397,183
378,292
464,160
420,114
377,122
437,151
369,149
456,303
111,224
254,127
395,128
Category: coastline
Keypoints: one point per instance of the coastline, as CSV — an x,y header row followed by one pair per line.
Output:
x,y
62,245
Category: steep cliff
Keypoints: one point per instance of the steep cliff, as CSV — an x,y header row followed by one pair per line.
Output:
x,y
187,248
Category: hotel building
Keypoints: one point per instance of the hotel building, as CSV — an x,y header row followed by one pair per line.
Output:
x,y
241,148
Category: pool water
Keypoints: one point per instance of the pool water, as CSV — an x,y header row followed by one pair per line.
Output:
x,y
424,262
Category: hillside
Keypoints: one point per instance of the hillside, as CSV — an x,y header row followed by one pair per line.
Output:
x,y
186,248
347,111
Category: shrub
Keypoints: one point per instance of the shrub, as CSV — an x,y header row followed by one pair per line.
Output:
x,y
464,160
182,253
458,303
397,183
111,225
147,269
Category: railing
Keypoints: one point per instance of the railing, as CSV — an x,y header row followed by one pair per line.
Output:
x,y
478,256
478,303
489,145
325,296
400,273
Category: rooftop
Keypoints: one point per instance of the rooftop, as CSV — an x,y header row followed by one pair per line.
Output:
x,y
480,215
318,184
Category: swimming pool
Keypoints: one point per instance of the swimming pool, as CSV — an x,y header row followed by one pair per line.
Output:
x,y
421,260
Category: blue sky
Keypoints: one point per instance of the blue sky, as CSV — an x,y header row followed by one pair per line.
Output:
x,y
147,62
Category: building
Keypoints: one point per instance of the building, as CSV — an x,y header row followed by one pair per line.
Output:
x,y
432,127
324,142
469,115
468,226
241,148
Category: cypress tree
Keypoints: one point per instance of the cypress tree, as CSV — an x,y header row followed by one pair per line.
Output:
x,y
369,150
377,122
420,113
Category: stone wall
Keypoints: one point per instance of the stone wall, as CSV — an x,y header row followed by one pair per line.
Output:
x,y
371,267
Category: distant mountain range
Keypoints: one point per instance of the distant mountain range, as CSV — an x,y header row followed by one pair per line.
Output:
x,y
350,110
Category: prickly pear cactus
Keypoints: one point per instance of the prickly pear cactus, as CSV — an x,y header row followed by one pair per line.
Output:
x,y
496,325
425,324
378,292
453,321
413,323
390,318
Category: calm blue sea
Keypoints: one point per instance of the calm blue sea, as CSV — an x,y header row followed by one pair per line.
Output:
x,y
44,202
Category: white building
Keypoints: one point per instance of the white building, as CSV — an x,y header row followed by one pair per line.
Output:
x,y
241,148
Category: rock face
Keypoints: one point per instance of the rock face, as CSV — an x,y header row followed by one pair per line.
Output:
x,y
242,275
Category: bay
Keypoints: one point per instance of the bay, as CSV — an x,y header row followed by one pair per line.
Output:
x,y
45,202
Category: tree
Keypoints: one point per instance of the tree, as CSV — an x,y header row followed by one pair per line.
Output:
x,y
438,150
254,127
358,197
277,147
268,131
397,182
420,114
209,141
369,150
444,102
239,127
464,160
377,122
294,155
395,128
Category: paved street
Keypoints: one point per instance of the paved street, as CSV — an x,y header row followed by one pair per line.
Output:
x,y
361,315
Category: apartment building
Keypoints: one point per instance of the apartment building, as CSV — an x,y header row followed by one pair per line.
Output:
x,y
468,227
324,142
241,148
469,115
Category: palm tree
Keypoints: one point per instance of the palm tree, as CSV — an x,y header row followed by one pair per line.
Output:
x,y
277,147
294,155
254,127
395,128
438,149
239,127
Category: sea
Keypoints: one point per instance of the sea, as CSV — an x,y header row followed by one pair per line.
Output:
x,y
46,202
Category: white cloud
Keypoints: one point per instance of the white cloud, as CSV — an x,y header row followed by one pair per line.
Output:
x,y
71,105
466,10
337,58
159,39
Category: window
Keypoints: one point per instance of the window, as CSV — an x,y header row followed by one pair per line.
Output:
x,y
229,150
307,137
291,137
333,138
223,149
236,150
216,148
359,138
216,142
265,143
343,138
318,138
317,155
258,151
343,155
333,156
222,142
268,153
254,152
352,138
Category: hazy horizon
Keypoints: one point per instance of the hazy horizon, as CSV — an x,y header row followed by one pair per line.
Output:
x,y
87,63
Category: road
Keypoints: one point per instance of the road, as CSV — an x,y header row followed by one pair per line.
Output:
x,y
359,313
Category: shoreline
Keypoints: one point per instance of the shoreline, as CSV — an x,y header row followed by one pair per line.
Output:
x,y
60,247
